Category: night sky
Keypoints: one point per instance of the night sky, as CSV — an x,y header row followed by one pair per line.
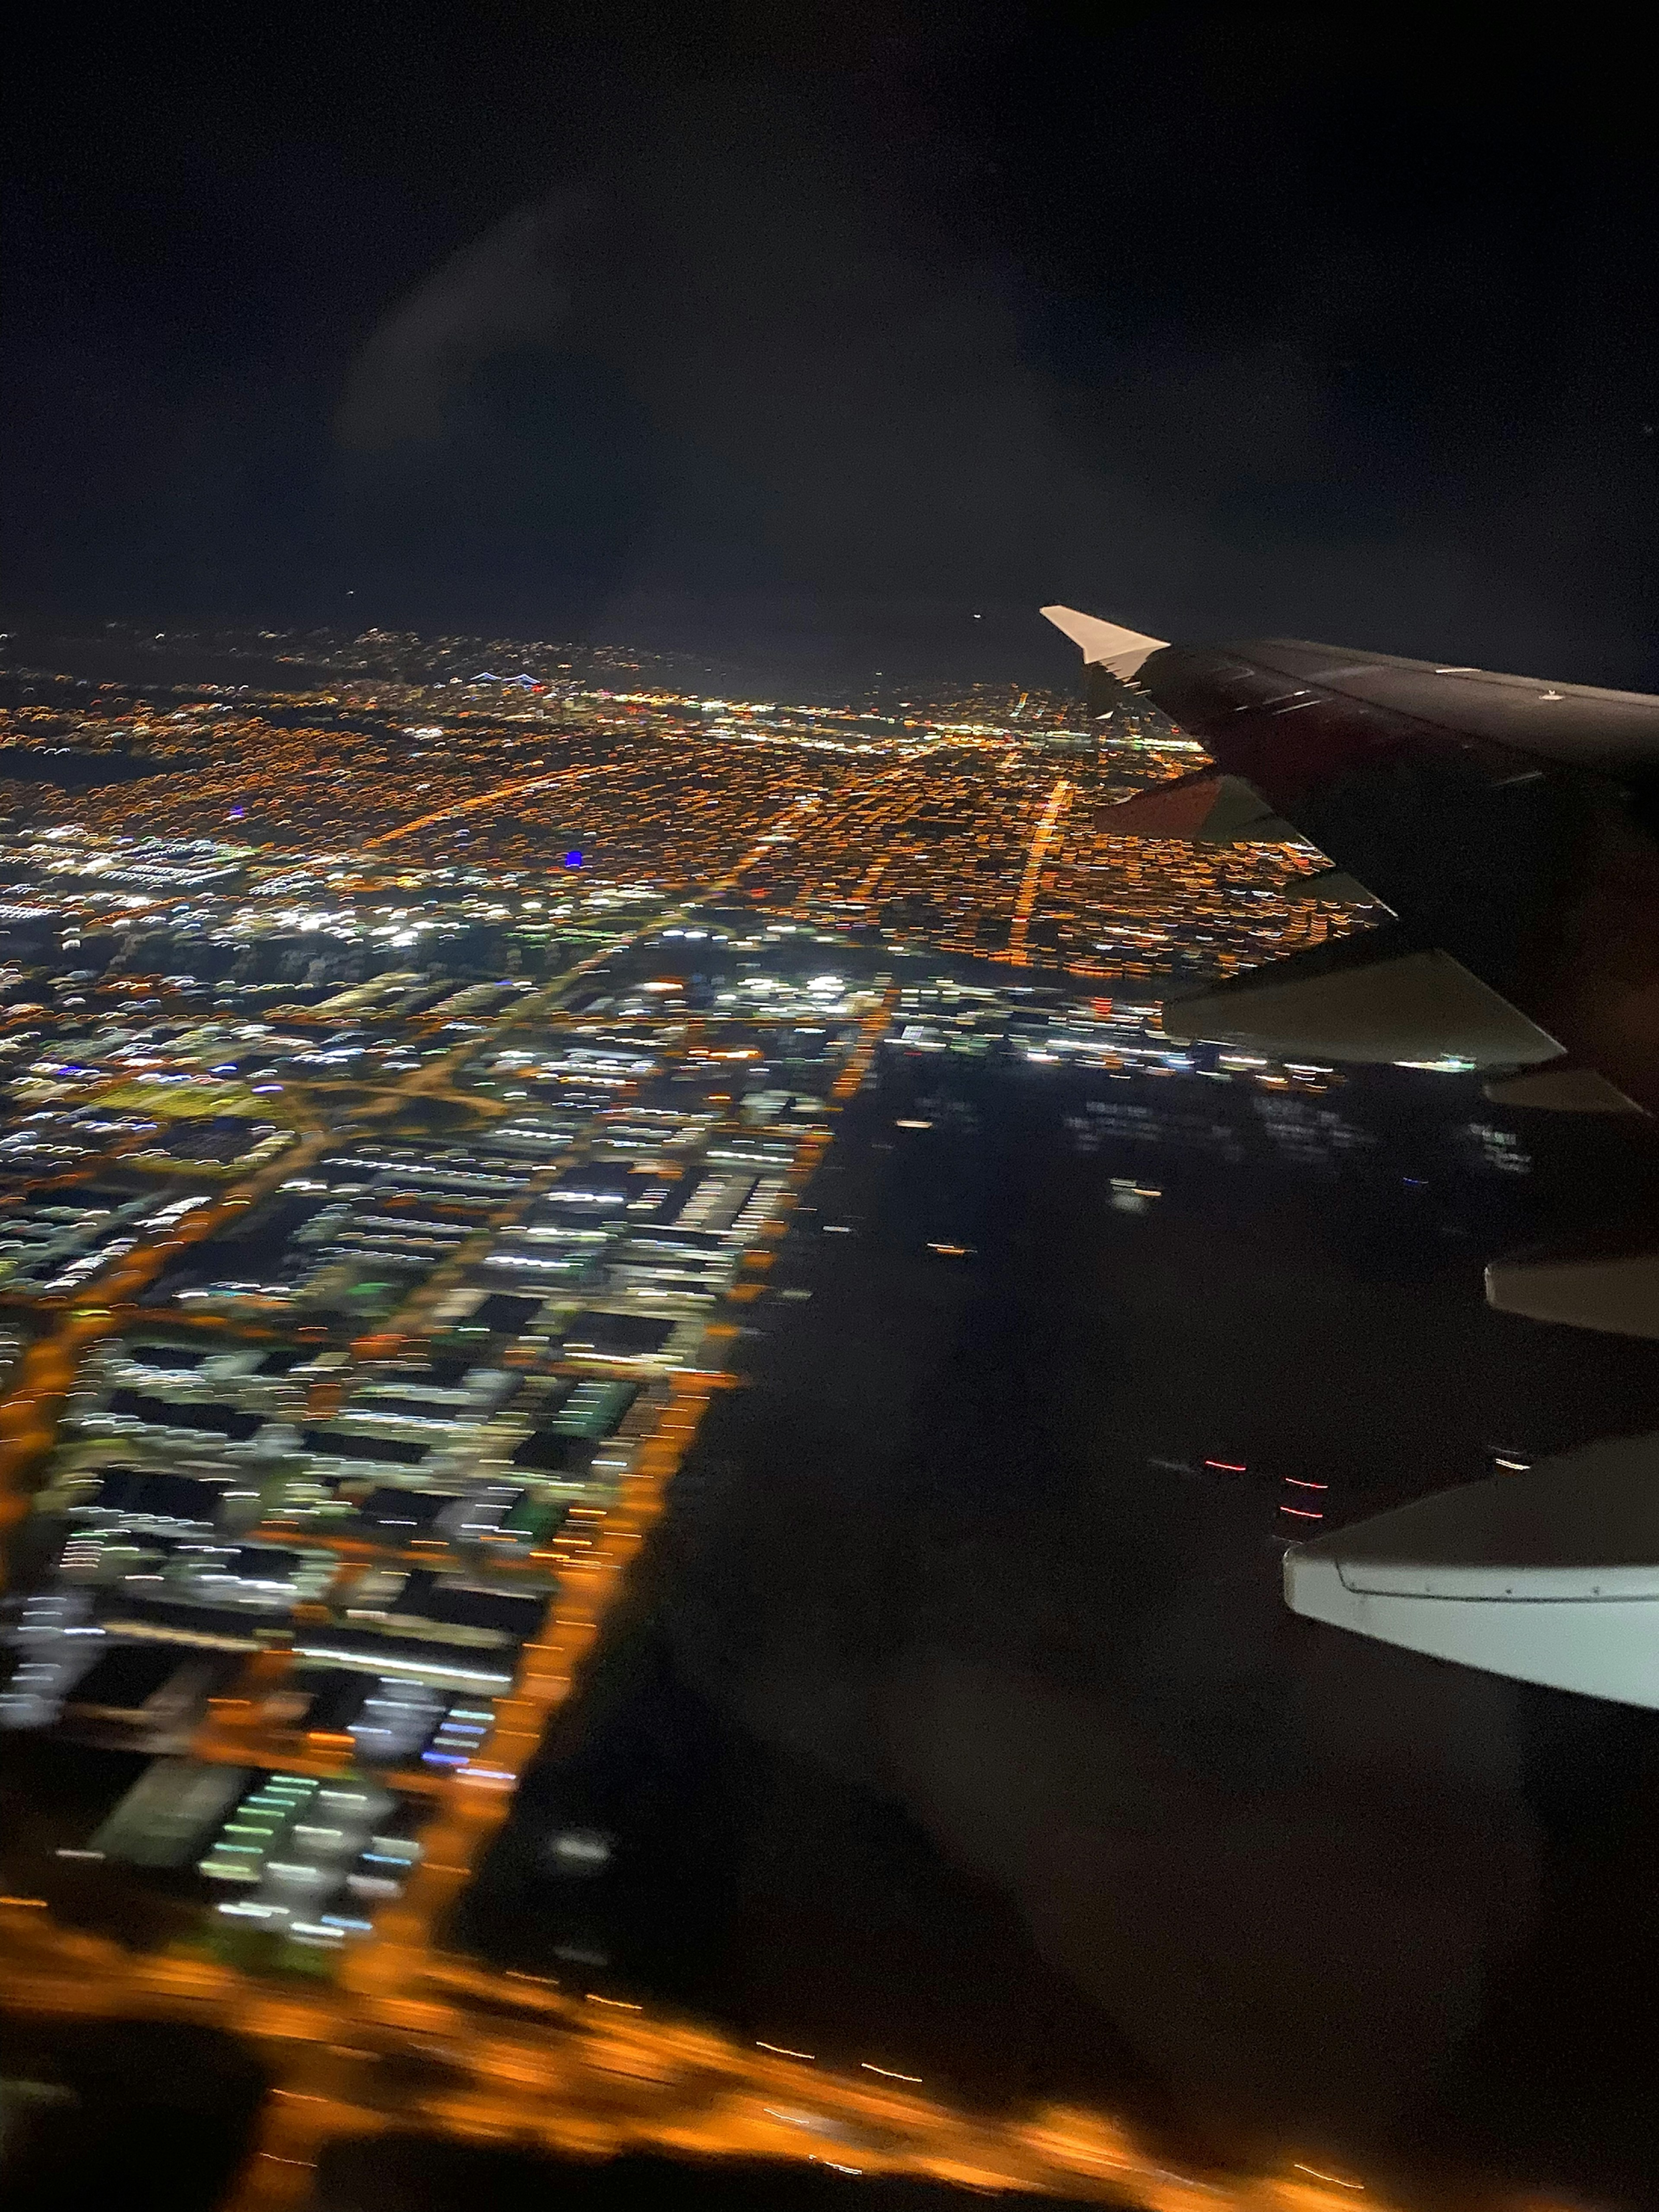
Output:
x,y
822,330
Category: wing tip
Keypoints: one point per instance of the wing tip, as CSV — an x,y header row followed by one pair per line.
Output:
x,y
1106,645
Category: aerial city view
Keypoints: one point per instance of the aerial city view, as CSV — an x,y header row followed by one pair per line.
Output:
x,y
806,1387
455,1122
389,1193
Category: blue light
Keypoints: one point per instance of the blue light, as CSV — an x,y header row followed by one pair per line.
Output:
x,y
573,859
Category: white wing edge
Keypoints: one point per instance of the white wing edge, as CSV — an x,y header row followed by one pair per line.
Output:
x,y
1105,644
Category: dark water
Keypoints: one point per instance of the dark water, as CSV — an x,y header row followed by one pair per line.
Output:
x,y
945,1732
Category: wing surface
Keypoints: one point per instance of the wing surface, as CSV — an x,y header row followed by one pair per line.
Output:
x,y
1505,822
1506,826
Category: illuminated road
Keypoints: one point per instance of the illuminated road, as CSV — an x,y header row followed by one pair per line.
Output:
x,y
510,2059
471,805
1030,882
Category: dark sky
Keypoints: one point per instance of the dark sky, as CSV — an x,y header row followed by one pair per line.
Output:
x,y
825,329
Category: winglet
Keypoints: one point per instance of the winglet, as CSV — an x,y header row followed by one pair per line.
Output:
x,y
1105,644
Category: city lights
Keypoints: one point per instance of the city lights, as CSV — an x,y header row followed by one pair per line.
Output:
x,y
387,1188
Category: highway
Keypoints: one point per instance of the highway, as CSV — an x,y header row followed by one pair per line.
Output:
x,y
481,799
1048,823
505,2059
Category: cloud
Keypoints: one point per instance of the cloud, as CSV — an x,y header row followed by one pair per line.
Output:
x,y
506,291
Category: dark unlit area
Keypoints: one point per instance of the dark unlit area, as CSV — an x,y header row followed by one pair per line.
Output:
x,y
951,1730
99,2114
425,2173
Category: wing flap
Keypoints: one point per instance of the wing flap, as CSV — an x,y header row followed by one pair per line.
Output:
x,y
1204,810
1549,1576
1362,1005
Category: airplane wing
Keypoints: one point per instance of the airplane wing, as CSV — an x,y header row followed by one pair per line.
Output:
x,y
1551,1575
1509,827
1505,821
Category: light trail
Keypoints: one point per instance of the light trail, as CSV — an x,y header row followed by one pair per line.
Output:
x,y
471,805
1047,824
556,2076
